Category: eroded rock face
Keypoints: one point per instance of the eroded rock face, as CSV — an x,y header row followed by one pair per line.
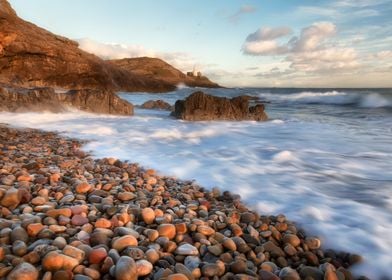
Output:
x,y
31,56
203,107
47,99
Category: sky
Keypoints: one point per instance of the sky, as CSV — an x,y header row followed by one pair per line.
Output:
x,y
237,43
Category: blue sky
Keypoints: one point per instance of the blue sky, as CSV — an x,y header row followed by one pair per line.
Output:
x,y
345,43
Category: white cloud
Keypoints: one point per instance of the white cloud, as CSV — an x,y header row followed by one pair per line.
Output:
x,y
312,36
331,59
180,60
245,9
359,3
263,41
269,47
268,33
311,51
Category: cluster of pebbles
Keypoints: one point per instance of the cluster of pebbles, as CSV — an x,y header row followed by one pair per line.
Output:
x,y
65,215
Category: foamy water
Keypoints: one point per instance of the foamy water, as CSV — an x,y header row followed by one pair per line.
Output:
x,y
324,159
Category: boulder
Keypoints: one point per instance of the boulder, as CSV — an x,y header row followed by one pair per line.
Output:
x,y
156,104
203,107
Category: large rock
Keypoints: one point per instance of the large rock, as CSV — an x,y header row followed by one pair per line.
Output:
x,y
47,99
156,104
203,107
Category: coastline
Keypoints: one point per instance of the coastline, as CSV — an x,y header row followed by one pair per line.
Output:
x,y
104,214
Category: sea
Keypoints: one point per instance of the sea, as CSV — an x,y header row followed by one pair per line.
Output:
x,y
324,158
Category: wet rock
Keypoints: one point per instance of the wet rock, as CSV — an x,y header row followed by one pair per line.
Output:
x,y
203,107
156,104
313,243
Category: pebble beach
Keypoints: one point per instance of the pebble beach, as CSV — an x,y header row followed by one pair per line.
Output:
x,y
67,215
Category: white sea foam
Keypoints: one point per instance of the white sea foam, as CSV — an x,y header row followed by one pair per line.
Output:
x,y
327,173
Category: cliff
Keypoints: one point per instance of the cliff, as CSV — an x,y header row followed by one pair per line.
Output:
x,y
34,57
158,69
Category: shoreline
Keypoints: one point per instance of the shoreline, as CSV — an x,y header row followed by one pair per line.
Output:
x,y
104,214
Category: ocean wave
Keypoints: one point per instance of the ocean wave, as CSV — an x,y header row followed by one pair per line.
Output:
x,y
364,100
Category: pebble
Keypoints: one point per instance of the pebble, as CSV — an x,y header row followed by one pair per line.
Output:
x,y
74,253
167,230
23,271
291,239
11,198
288,273
177,276
122,242
143,267
110,219
148,215
83,188
187,250
313,243
125,269
54,261
98,255
210,270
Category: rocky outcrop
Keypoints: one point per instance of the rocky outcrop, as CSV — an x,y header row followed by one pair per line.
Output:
x,y
158,69
34,57
47,99
157,104
203,107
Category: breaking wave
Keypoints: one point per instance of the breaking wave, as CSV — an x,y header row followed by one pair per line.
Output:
x,y
364,100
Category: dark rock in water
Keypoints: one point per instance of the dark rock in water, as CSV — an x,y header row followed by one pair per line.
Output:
x,y
156,104
203,107
47,99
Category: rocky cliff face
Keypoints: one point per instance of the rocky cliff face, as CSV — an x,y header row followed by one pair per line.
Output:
x,y
47,99
203,107
31,56
158,69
